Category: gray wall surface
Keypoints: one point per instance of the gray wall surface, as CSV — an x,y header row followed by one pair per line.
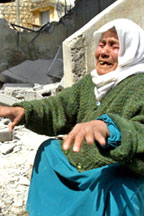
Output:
x,y
16,47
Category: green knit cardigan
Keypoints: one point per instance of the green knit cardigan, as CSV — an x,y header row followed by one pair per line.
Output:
x,y
125,106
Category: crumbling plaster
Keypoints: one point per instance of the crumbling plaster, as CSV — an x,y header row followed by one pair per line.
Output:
x,y
81,43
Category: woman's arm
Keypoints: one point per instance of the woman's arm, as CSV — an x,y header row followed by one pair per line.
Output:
x,y
53,115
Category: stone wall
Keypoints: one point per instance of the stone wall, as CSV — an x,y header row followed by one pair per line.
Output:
x,y
26,12
9,12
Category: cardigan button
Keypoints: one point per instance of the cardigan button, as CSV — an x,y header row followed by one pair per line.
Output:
x,y
79,166
98,103
66,152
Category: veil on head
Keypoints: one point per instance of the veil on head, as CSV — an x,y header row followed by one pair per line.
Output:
x,y
131,39
130,59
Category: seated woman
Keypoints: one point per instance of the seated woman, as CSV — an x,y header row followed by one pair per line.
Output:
x,y
98,168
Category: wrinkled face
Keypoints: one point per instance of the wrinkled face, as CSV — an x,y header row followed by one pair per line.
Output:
x,y
107,53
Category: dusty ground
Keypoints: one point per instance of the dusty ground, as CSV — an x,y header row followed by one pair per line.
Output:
x,y
15,170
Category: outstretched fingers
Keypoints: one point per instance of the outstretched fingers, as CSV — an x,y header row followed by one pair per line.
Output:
x,y
75,137
95,130
100,138
13,124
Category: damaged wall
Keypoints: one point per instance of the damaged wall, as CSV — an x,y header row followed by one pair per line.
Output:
x,y
17,47
28,13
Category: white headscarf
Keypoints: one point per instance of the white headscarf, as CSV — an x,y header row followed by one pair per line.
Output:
x,y
130,59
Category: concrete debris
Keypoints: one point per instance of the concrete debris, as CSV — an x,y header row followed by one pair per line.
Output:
x,y
16,162
34,72
6,149
18,149
5,134
7,100
10,94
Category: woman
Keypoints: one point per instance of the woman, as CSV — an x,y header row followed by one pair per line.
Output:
x,y
99,169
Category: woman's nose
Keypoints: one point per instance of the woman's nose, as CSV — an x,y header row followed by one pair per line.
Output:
x,y
105,51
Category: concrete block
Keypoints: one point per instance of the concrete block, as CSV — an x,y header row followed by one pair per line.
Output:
x,y
7,100
16,92
31,72
6,148
5,134
31,95
17,85
50,89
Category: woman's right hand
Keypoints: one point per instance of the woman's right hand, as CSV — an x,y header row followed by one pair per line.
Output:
x,y
15,114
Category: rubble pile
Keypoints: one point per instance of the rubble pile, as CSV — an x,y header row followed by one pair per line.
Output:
x,y
17,150
12,93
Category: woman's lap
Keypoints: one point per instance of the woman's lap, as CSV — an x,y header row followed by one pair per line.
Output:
x,y
58,189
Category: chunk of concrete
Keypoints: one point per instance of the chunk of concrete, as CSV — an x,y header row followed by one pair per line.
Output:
x,y
8,100
32,95
16,85
16,91
32,72
5,134
6,148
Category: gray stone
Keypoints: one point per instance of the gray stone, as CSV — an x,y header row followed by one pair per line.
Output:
x,y
5,134
6,148
31,72
17,85
7,100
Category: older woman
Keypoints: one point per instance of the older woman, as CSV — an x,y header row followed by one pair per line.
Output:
x,y
99,171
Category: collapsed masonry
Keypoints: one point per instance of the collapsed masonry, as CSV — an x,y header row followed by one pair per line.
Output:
x,y
30,80
11,93
17,149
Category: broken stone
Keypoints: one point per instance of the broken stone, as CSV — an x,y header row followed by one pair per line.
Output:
x,y
17,149
24,181
31,72
15,91
37,87
6,148
7,100
17,85
5,134
17,155
32,95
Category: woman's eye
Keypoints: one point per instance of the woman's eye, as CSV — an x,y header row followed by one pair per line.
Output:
x,y
101,45
115,47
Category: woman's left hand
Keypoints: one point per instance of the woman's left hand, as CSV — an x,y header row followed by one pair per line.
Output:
x,y
90,131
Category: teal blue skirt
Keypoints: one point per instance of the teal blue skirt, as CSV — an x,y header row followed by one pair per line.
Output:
x,y
58,189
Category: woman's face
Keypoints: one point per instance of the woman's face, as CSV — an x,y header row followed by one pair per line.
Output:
x,y
107,53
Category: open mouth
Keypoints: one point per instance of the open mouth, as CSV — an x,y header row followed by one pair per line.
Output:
x,y
105,63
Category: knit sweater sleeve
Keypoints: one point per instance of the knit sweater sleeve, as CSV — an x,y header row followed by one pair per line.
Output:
x,y
130,122
53,115
130,152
